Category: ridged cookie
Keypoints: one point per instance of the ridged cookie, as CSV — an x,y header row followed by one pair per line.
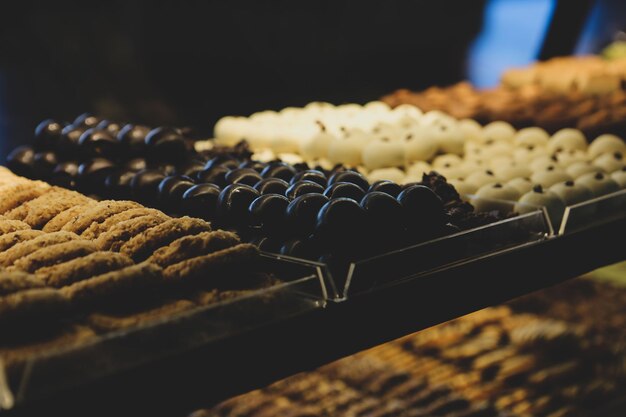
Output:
x,y
98,213
9,226
94,264
27,247
11,239
11,282
57,222
31,303
122,232
55,254
142,245
104,322
94,231
15,195
195,245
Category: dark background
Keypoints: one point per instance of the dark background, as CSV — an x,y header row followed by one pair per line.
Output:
x,y
191,62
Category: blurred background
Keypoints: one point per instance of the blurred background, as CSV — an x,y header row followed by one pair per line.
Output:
x,y
189,63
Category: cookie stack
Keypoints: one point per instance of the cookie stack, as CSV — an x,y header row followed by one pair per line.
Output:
x,y
73,267
505,361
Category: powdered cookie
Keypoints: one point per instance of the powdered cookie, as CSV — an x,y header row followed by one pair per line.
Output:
x,y
142,245
93,231
69,272
124,282
108,322
122,232
9,226
11,239
16,195
57,222
203,266
55,254
98,213
191,246
24,249
33,303
11,282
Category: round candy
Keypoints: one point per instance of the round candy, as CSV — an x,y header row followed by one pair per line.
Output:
x,y
302,213
136,164
190,168
215,175
64,174
386,186
246,176
43,164
258,166
344,190
300,248
269,212
310,175
200,200
48,134
272,186
92,173
350,176
341,218
145,185
118,186
423,208
233,204
384,213
87,120
20,161
166,144
68,141
222,162
98,143
110,126
280,170
133,138
303,187
172,188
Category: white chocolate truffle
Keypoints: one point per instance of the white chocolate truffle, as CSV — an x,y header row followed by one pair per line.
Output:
x,y
538,197
542,162
566,158
378,106
447,160
392,174
345,151
285,144
528,154
383,153
566,139
436,117
228,130
451,173
449,138
463,187
316,147
511,171
577,169
599,183
571,193
407,110
419,147
549,176
472,130
620,177
610,162
485,196
606,143
499,131
531,136
481,178
521,184
418,169
497,149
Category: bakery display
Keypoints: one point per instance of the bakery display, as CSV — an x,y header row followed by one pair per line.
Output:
x,y
582,92
558,352
73,268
